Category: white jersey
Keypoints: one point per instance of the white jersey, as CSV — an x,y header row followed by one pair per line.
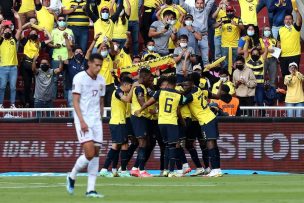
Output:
x,y
90,91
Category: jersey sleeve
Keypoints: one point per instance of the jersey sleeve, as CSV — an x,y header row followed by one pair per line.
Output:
x,y
156,95
76,88
119,93
241,42
139,91
186,99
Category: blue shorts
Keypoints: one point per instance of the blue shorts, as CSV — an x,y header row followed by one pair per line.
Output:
x,y
129,127
139,125
119,133
184,131
170,133
210,130
195,131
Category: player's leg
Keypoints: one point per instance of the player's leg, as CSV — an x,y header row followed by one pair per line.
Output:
x,y
161,145
124,160
173,138
134,142
205,155
183,131
151,140
115,160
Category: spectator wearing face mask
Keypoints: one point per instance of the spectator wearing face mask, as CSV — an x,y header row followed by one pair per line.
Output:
x,y
271,64
46,17
44,82
150,50
290,42
231,27
27,10
249,13
184,56
121,26
9,60
78,22
279,8
255,61
224,79
193,33
200,15
122,55
161,31
244,82
294,94
105,24
32,46
251,38
177,20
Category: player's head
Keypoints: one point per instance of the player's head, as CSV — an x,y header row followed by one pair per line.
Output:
x,y
162,82
126,84
125,74
171,81
145,76
95,63
188,83
225,89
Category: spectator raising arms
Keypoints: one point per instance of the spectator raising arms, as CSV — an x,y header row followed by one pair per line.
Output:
x,y
9,60
249,13
27,10
46,17
133,25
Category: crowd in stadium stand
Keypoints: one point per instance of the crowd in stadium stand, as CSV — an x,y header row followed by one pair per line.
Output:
x,y
47,41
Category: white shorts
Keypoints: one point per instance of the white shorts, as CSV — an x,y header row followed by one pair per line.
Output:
x,y
94,134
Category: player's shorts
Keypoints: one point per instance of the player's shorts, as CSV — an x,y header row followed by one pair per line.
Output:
x,y
139,125
170,133
184,131
129,127
119,133
153,129
94,134
195,131
210,130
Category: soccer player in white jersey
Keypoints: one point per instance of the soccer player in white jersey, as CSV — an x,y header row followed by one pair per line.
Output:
x,y
88,100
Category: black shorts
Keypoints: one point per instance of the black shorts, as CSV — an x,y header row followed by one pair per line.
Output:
x,y
195,131
139,125
119,133
170,133
184,131
210,130
153,129
129,127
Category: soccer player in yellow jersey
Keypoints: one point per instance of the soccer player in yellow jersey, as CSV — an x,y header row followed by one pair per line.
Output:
x,y
118,129
139,121
169,100
207,120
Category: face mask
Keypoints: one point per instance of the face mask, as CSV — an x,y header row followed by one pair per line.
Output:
x,y
150,48
116,47
223,79
255,57
231,15
61,24
250,33
267,33
104,54
169,22
172,22
105,16
7,35
78,1
240,67
288,26
183,45
33,37
188,22
79,57
44,67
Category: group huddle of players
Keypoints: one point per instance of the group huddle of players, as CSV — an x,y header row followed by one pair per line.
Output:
x,y
174,115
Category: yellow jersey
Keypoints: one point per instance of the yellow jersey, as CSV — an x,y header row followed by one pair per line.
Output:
x,y
128,110
148,53
169,100
230,33
105,28
185,111
220,15
120,29
118,108
139,91
123,59
8,52
290,41
198,105
26,6
216,87
248,11
106,3
105,71
31,49
257,67
45,19
134,10
151,3
78,17
272,43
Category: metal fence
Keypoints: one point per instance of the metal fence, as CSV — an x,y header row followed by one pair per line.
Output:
x,y
246,111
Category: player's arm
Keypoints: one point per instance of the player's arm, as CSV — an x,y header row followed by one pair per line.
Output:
x,y
76,103
128,98
186,99
145,105
101,106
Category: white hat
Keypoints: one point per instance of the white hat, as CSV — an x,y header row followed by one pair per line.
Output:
x,y
293,64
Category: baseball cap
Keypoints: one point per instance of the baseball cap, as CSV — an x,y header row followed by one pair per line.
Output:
x,y
189,16
105,9
293,64
197,67
229,8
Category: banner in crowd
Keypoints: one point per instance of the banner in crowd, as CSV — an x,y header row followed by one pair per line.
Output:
x,y
53,147
161,64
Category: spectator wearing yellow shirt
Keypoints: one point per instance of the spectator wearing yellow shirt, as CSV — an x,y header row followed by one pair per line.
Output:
x,y
150,51
133,26
46,17
224,79
294,94
249,13
78,22
31,50
122,55
27,10
290,42
105,24
8,60
121,26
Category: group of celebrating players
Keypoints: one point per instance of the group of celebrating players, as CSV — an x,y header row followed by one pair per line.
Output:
x,y
145,111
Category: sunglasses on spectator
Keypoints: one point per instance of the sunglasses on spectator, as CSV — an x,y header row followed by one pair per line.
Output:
x,y
60,20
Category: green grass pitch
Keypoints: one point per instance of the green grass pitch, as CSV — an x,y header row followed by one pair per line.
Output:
x,y
228,189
